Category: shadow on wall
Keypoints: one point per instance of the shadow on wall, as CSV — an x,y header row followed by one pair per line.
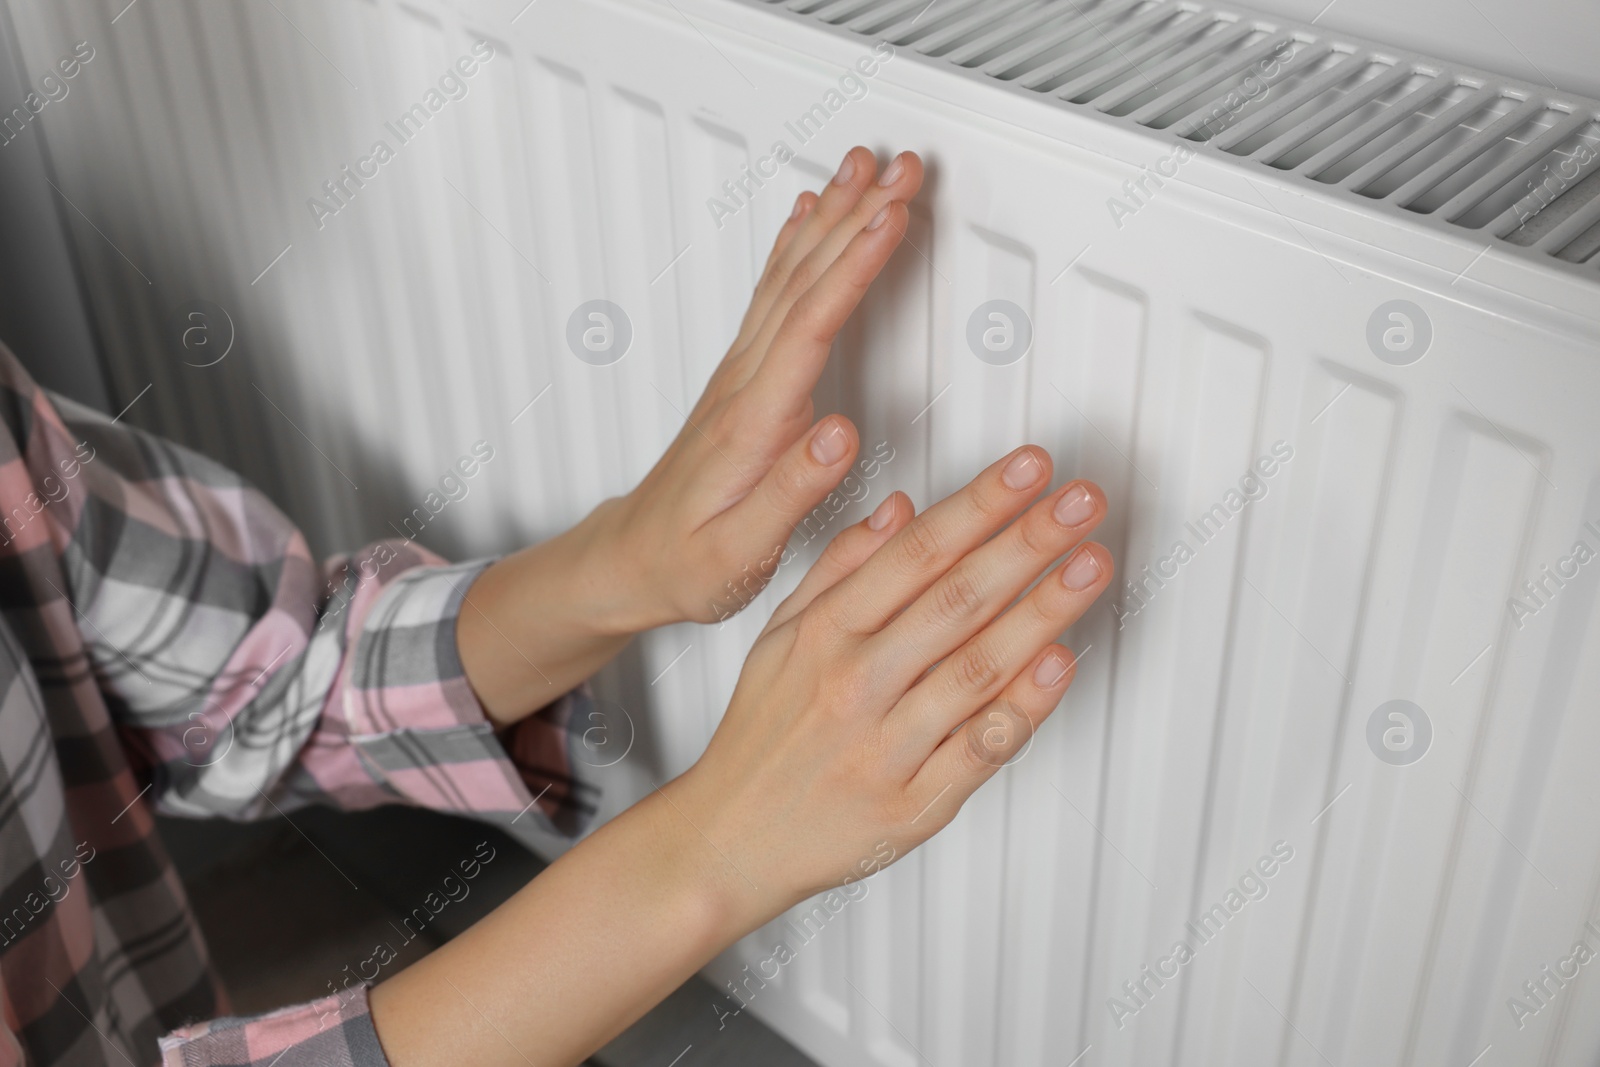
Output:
x,y
42,318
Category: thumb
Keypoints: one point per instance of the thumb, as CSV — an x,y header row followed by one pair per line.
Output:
x,y
789,496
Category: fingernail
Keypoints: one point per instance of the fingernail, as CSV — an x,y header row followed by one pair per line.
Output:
x,y
1050,671
847,170
892,172
827,447
799,206
1075,506
1022,471
1081,571
880,515
877,220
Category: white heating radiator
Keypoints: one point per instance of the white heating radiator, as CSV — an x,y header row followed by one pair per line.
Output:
x,y
1182,326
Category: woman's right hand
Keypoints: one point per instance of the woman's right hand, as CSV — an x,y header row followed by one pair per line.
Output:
x,y
894,682
896,679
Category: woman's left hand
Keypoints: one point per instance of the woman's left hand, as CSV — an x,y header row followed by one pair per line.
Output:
x,y
702,533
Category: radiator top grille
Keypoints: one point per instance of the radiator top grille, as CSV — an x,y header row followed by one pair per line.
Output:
x,y
1513,162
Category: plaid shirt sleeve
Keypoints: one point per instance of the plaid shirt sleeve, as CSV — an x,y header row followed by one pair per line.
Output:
x,y
249,682
243,680
335,1031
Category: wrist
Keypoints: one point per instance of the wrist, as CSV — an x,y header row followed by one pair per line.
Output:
x,y
714,899
600,573
539,621
715,826
613,572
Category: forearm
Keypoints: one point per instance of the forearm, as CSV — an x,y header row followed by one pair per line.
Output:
x,y
577,955
541,620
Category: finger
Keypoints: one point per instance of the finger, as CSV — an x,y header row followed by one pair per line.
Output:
x,y
786,233
970,756
934,541
975,673
984,582
793,362
769,283
854,545
760,525
837,198
900,181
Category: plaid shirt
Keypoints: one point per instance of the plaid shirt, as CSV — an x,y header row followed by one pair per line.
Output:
x,y
168,643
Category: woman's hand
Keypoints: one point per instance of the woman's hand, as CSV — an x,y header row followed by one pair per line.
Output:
x,y
895,681
702,533
901,674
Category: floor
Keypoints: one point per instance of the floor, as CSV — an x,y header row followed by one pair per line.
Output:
x,y
291,908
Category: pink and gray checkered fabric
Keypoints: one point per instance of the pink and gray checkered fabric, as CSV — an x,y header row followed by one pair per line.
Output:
x,y
168,644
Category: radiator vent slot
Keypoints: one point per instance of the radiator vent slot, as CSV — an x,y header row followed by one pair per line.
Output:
x,y
1508,160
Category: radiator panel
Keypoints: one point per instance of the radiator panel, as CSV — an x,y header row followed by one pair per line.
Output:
x,y
1222,709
